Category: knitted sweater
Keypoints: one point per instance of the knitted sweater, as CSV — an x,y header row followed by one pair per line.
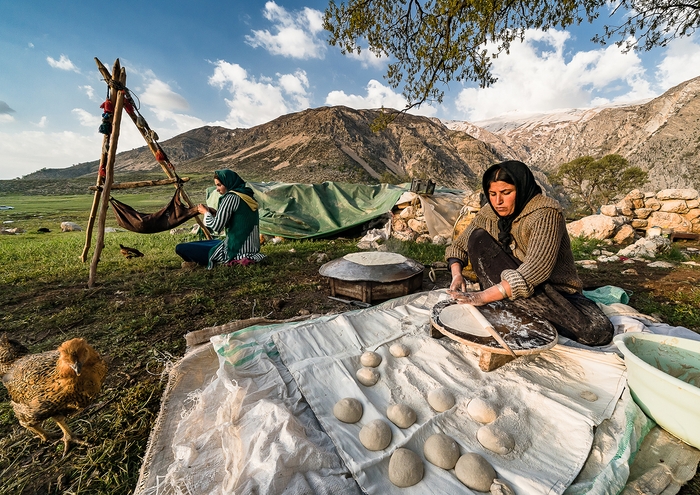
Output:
x,y
540,242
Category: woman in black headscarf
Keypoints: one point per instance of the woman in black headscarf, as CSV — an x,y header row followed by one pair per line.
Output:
x,y
519,249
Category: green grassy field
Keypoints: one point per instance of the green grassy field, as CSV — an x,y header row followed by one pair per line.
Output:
x,y
136,316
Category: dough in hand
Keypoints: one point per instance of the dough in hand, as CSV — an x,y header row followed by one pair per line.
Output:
x,y
495,439
475,472
399,350
375,435
401,415
441,399
348,410
481,411
367,376
371,359
405,468
500,487
441,450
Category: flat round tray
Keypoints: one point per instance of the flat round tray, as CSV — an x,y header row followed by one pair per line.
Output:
x,y
523,332
343,269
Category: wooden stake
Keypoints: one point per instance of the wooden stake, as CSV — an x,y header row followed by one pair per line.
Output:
x,y
103,163
143,183
109,178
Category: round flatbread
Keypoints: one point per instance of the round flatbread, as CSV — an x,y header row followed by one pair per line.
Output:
x,y
373,258
459,317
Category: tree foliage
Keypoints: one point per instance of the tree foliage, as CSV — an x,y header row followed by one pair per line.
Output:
x,y
596,182
433,42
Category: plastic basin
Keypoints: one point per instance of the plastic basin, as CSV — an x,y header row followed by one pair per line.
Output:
x,y
663,374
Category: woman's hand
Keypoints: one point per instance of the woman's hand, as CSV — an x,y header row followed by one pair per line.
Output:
x,y
202,209
458,283
473,298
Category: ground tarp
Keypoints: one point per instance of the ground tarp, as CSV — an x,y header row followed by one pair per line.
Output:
x,y
251,412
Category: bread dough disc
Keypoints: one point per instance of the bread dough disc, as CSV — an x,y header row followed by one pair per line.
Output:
x,y
375,435
405,468
459,317
441,450
399,350
481,411
495,439
401,415
371,359
348,410
367,376
374,258
475,472
441,399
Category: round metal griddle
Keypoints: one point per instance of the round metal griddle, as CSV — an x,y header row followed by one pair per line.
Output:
x,y
523,332
378,281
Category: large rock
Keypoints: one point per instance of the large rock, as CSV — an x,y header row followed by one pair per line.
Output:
x,y
653,204
692,214
642,212
624,235
647,247
625,207
666,194
595,226
672,221
608,210
674,206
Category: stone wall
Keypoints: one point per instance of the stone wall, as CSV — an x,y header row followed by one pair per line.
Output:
x,y
676,210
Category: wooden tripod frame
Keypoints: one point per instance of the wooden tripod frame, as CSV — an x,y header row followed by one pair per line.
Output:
x,y
119,97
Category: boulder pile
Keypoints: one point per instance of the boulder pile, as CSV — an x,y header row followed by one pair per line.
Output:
x,y
669,210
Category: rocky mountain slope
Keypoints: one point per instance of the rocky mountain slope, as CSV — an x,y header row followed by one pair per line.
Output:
x,y
661,136
316,145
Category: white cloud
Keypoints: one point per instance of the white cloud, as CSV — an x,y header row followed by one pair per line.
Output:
x,y
255,102
532,79
377,96
30,45
681,62
48,150
42,122
86,118
89,91
6,118
5,108
62,63
368,59
158,94
294,35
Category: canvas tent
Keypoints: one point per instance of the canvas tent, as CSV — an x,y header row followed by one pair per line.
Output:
x,y
250,411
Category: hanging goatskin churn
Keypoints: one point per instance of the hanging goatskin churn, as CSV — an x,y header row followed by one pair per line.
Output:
x,y
373,276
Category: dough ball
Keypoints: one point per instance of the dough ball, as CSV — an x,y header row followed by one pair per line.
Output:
x,y
441,450
495,439
475,472
375,435
371,359
367,376
500,487
399,350
405,468
401,415
441,399
348,410
589,396
481,411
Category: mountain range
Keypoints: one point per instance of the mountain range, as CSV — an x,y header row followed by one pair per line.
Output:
x,y
661,136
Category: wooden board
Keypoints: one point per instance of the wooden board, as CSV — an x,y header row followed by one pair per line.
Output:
x,y
524,333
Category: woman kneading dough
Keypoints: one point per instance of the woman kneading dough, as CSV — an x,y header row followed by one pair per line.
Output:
x,y
520,251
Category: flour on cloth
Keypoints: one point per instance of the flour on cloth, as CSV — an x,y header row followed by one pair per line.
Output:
x,y
538,397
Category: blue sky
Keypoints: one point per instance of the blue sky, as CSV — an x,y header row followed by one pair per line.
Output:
x,y
240,64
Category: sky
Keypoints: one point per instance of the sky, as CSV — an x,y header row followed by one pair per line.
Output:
x,y
240,64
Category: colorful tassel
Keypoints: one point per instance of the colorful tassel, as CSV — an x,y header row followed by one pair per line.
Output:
x,y
107,106
160,156
105,128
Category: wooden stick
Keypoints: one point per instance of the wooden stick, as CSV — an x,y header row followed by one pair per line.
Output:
x,y
103,162
489,328
143,183
109,178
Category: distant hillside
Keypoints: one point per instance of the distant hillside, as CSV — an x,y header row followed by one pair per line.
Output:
x,y
661,136
317,145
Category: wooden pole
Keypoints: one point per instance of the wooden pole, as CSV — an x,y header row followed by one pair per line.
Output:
x,y
158,154
103,162
143,183
109,176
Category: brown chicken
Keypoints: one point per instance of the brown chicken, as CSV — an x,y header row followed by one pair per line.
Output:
x,y
54,384
10,351
130,252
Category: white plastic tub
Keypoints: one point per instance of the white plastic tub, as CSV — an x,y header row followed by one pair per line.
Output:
x,y
663,374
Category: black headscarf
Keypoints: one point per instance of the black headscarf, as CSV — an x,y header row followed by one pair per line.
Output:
x,y
526,188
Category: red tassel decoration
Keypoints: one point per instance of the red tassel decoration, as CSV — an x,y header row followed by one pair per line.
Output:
x,y
107,106
160,156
